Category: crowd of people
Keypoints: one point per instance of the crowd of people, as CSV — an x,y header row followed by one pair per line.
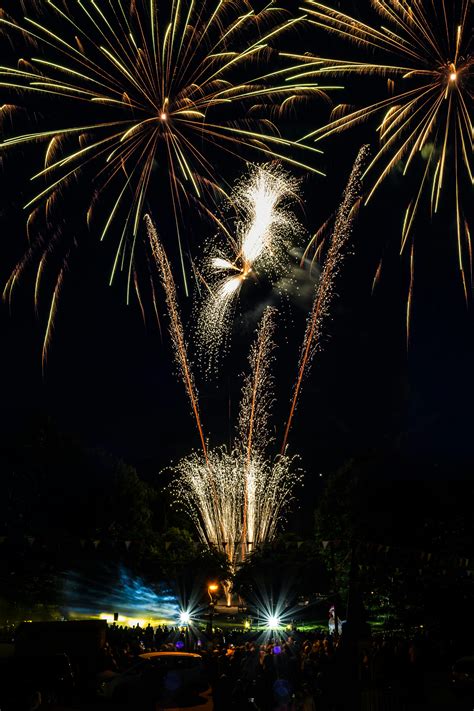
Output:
x,y
301,671
245,669
295,671
292,673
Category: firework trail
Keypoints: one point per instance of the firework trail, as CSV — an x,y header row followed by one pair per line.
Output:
x,y
176,326
325,288
251,490
265,230
258,388
149,101
257,398
425,51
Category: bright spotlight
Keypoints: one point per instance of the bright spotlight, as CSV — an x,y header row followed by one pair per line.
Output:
x,y
273,622
185,617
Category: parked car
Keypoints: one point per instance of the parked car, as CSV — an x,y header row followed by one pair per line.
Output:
x,y
156,675
462,674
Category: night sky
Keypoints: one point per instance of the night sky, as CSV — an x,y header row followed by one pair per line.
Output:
x,y
111,381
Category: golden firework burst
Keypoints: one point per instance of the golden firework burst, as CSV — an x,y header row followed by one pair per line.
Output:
x,y
424,49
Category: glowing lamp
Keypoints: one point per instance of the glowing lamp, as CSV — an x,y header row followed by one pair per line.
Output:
x,y
453,76
213,588
179,644
163,116
277,649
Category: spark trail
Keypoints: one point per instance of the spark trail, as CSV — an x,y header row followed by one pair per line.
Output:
x,y
324,294
176,326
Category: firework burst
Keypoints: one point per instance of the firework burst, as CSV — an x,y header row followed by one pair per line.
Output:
x,y
324,293
237,497
425,51
138,103
266,228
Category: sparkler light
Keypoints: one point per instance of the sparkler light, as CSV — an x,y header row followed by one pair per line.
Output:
x,y
236,498
265,229
325,289
162,96
425,51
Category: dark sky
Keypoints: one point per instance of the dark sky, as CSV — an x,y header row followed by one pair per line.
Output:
x,y
110,378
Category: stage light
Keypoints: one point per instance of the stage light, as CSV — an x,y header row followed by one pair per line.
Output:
x,y
184,617
273,622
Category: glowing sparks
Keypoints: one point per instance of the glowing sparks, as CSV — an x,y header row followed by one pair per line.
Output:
x,y
237,498
325,289
165,94
265,230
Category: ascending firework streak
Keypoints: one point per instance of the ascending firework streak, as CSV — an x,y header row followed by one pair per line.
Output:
x,y
325,288
265,229
254,415
425,51
176,326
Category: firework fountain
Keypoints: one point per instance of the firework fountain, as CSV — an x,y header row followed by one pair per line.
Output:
x,y
252,490
236,496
